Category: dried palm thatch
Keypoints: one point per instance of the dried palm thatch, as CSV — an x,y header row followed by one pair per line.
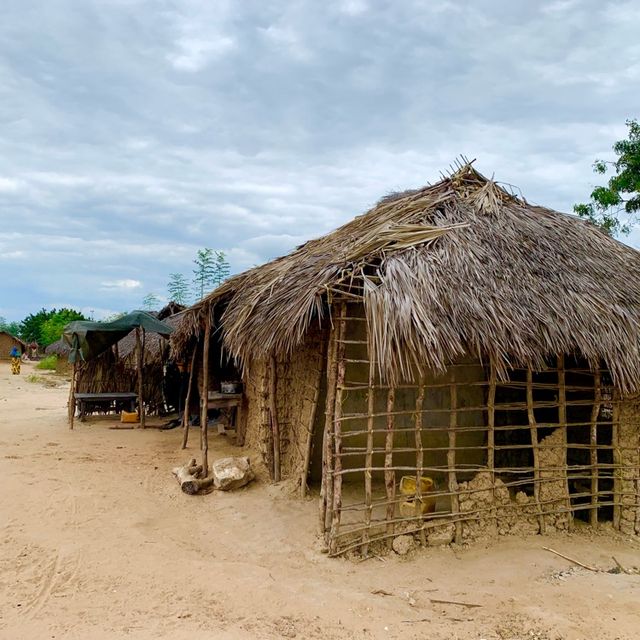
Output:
x,y
459,266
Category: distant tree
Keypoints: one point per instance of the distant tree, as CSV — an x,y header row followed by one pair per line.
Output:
x,y
178,288
31,326
52,328
150,302
221,268
204,273
10,327
622,193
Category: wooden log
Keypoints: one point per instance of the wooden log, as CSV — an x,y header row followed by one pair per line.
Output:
x,y
204,396
533,428
336,510
451,461
189,478
187,402
593,451
273,411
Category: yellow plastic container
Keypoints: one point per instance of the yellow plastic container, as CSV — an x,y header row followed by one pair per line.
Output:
x,y
129,416
408,485
415,506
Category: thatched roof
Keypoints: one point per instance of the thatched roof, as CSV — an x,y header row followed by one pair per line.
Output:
x,y
459,266
59,348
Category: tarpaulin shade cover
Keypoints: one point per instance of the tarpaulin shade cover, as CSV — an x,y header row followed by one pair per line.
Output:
x,y
89,339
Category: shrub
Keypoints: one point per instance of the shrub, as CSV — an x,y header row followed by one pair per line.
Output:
x,y
48,363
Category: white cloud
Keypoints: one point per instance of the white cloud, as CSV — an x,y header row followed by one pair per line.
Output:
x,y
194,53
121,284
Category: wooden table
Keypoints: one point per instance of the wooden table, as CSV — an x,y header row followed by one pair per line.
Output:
x,y
230,401
108,400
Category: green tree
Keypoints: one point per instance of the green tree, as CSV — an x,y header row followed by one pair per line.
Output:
x,y
178,288
10,327
31,326
52,328
621,195
150,302
221,268
204,273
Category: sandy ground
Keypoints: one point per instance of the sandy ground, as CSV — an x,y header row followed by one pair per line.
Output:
x,y
97,541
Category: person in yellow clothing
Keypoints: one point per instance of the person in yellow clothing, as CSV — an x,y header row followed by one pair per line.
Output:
x,y
15,361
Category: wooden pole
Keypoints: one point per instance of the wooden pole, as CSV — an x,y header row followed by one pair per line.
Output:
x,y
451,459
419,460
204,397
326,491
562,423
368,475
72,396
336,510
389,472
139,366
617,462
185,411
533,429
491,424
593,449
312,420
273,410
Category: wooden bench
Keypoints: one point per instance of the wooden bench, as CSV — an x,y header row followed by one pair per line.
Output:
x,y
109,401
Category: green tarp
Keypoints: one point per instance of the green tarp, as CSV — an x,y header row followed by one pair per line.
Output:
x,y
89,339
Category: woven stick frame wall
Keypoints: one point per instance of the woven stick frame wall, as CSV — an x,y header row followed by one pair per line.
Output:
x,y
479,454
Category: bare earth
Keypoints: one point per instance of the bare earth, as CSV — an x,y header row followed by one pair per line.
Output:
x,y
98,542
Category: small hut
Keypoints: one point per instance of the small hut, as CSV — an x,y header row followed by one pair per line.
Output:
x,y
456,362
7,342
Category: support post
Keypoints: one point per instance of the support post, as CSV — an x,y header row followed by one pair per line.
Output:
x,y
204,397
417,423
491,425
139,366
326,491
185,412
593,449
273,410
72,395
368,500
389,472
336,510
533,428
562,424
617,461
309,438
451,459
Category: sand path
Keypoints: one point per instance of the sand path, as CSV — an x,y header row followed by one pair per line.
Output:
x,y
96,541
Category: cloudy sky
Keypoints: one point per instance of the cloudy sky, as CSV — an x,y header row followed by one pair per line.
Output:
x,y
134,132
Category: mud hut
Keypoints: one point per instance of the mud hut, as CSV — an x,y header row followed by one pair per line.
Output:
x,y
454,363
7,342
